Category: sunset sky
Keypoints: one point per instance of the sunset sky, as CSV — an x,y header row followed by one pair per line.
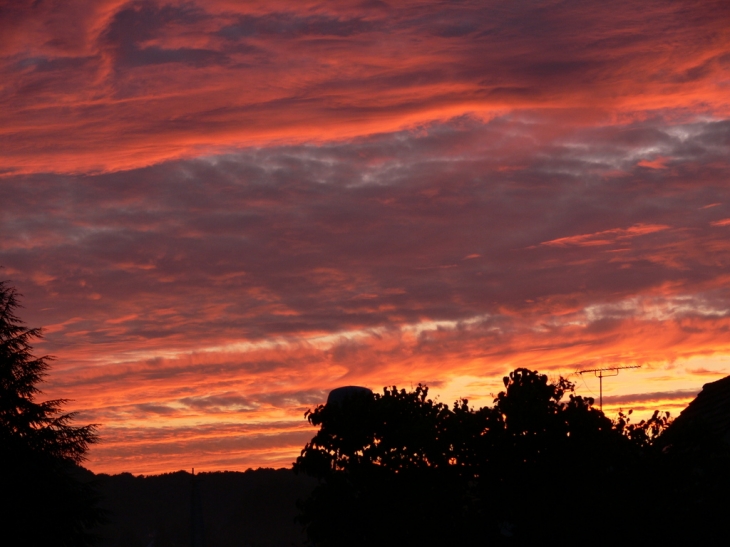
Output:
x,y
220,210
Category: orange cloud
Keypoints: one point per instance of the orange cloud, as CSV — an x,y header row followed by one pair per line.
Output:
x,y
254,400
606,237
657,163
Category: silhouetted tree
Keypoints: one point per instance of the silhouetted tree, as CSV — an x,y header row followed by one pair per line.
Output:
x,y
383,464
400,469
44,502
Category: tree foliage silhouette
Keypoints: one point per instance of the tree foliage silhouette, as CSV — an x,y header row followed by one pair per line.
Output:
x,y
45,502
398,468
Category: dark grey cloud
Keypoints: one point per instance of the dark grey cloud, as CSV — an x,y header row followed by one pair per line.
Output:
x,y
151,408
141,21
290,25
374,232
234,402
225,402
681,394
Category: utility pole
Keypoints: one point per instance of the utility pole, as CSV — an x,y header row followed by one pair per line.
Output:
x,y
197,532
600,373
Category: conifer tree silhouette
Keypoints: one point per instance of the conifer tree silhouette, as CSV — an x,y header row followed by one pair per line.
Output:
x,y
45,502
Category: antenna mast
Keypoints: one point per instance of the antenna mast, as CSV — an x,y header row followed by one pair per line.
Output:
x,y
600,373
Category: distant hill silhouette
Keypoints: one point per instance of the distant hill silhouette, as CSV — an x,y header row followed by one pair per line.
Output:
x,y
249,509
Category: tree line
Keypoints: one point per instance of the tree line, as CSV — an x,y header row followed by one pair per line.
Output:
x,y
542,464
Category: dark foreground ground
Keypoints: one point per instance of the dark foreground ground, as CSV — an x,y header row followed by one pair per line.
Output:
x,y
250,509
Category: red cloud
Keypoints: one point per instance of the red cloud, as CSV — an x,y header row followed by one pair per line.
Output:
x,y
104,86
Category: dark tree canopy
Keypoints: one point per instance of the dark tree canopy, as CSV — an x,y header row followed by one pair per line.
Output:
x,y
398,468
40,449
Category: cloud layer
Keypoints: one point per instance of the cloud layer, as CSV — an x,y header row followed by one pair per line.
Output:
x,y
106,85
218,213
247,284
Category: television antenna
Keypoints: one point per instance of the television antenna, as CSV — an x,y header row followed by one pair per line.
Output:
x,y
600,373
